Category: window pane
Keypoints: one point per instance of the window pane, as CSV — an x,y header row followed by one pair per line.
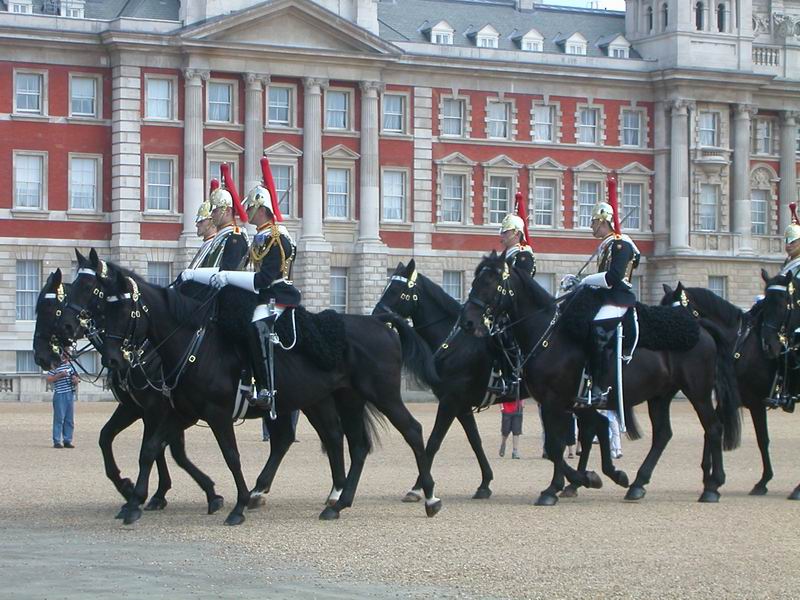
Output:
x,y
219,102
758,208
708,129
25,362
543,117
83,93
158,273
545,280
393,113
498,120
452,284
588,194
29,92
338,184
452,117
499,193
338,298
283,186
630,127
544,202
718,284
279,106
159,184
28,177
708,207
394,196
159,99
336,110
631,205
28,286
452,198
587,126
88,362
83,183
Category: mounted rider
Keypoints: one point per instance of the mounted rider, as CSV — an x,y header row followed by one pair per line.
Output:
x,y
206,230
791,238
617,258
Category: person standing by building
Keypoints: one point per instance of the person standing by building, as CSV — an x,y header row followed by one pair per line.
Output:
x,y
511,423
64,379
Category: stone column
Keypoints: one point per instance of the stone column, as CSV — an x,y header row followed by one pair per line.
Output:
x,y
194,191
370,168
661,164
788,189
740,194
312,159
253,129
679,178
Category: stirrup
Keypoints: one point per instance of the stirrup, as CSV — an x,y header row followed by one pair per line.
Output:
x,y
589,398
265,400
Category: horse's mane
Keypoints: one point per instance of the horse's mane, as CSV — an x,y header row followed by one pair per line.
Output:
x,y
434,291
707,298
543,298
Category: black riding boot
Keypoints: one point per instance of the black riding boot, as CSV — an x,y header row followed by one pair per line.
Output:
x,y
258,343
503,383
597,388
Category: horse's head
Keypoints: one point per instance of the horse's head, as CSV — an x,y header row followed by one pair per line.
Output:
x,y
49,307
779,307
125,320
401,293
85,297
678,297
488,297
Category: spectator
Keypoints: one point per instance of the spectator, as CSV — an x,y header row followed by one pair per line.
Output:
x,y
511,414
65,380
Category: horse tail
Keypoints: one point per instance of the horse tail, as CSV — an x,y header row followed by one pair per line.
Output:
x,y
374,422
417,356
631,423
726,388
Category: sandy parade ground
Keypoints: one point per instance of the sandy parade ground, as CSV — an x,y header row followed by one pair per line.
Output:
x,y
58,537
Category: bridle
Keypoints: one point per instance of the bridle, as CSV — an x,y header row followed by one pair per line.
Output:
x,y
58,296
781,329
504,291
410,295
85,315
683,300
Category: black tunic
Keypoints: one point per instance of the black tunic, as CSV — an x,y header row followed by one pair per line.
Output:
x,y
618,258
521,256
270,281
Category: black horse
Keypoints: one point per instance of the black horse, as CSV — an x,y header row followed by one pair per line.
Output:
x,y
464,364
52,304
780,319
554,363
369,371
755,372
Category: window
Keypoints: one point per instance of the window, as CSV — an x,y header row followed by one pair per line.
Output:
x,y
338,185
394,113
339,289
488,41
587,125
758,211
158,273
545,280
29,181
544,202
452,283
28,286
83,96
619,52
707,215
25,362
83,183
443,38
762,140
159,99
588,195
87,362
649,19
337,109
20,8
664,16
283,176
453,198
453,117
394,196
159,184
499,194
576,49
497,120
279,106
631,127
708,128
632,205
721,25
220,102
74,9
532,45
719,285
543,123
797,142
29,87
699,16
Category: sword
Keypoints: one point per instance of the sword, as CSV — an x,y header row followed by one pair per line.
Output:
x,y
620,396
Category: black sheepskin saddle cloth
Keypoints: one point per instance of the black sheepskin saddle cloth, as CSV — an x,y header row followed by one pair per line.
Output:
x,y
660,327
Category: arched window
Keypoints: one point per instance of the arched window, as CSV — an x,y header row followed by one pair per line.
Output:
x,y
721,17
698,16
649,18
664,16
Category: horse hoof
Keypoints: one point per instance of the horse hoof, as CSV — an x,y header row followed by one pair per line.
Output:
x,y
234,519
256,501
412,496
433,509
709,496
622,479
795,495
758,490
215,504
546,500
156,503
122,512
482,494
593,480
635,492
570,491
132,515
329,514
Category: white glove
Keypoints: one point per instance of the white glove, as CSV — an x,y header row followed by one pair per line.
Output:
x,y
187,275
569,281
219,280
597,280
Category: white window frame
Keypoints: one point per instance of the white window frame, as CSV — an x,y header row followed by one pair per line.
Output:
x,y
292,108
618,52
73,9
341,274
547,281
98,95
44,177
766,201
576,48
24,7
762,125
43,93
348,111
172,100
404,115
403,198
172,209
234,103
639,130
222,157
98,183
466,196
532,45
31,293
763,178
722,279
459,275
29,363
547,168
599,181
465,117
714,131
555,126
506,122
626,210
349,168
536,212
700,204
488,210
486,41
291,203
157,281
581,127
442,36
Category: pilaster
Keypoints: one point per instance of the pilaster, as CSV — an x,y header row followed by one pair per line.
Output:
x,y
679,177
253,128
312,159
740,197
369,216
788,174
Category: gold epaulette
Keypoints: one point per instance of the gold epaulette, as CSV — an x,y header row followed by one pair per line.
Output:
x,y
236,229
617,236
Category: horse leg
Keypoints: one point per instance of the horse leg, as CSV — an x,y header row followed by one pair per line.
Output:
x,y
795,495
758,412
467,420
159,500
603,438
177,447
281,435
222,427
658,409
711,464
586,433
122,418
325,421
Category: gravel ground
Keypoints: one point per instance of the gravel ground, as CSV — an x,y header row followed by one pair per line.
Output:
x,y
59,538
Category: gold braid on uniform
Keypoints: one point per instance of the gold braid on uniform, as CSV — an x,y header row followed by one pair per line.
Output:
x,y
258,254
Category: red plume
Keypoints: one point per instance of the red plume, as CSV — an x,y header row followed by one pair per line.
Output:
x,y
793,210
225,168
214,185
612,200
522,213
269,183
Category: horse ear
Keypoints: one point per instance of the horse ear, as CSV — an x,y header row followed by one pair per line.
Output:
x,y
493,255
82,260
765,275
667,289
412,265
57,277
94,259
399,266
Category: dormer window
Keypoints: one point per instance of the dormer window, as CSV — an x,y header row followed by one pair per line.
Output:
x,y
576,49
21,7
533,41
74,9
618,51
615,46
487,37
442,34
574,44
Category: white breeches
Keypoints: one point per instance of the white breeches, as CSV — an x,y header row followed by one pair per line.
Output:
x,y
610,311
263,311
